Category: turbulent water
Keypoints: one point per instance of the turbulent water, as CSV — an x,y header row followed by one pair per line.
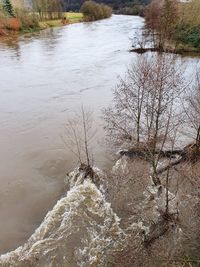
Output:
x,y
43,79
81,230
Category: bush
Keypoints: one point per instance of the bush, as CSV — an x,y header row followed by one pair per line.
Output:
x,y
187,34
29,21
94,11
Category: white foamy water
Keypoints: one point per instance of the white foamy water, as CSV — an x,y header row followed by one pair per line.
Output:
x,y
81,230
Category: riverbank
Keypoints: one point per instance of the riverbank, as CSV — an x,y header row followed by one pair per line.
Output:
x,y
71,18
15,26
173,27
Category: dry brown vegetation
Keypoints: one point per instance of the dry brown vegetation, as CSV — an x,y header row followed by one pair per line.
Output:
x,y
174,25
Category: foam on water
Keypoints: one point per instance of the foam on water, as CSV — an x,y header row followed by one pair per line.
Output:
x,y
81,230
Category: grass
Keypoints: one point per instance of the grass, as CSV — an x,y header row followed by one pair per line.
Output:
x,y
71,16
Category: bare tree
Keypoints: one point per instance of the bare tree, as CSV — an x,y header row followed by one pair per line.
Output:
x,y
161,113
144,113
79,134
86,120
124,119
161,18
153,20
48,9
55,9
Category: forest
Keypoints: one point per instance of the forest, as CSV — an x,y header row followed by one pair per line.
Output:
x,y
75,5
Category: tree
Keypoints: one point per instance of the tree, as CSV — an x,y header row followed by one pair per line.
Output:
x,y
124,119
78,136
55,8
169,16
49,9
144,116
166,83
7,6
153,20
40,7
161,19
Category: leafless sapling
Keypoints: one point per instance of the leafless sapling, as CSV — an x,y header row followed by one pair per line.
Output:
x,y
79,134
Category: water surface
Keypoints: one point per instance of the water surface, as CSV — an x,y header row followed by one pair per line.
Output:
x,y
43,79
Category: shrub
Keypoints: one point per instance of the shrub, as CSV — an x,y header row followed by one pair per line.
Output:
x,y
29,21
187,34
94,11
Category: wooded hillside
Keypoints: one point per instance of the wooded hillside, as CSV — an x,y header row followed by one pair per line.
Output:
x,y
115,4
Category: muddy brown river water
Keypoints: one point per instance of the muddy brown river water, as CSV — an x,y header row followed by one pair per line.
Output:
x,y
44,78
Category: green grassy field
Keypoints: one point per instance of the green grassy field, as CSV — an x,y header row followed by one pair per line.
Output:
x,y
71,16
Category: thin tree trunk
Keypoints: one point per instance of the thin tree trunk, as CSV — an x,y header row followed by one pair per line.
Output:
x,y
85,137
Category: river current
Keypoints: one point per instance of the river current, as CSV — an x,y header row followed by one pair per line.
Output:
x,y
44,78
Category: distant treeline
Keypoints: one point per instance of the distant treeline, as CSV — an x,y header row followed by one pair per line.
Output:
x,y
119,6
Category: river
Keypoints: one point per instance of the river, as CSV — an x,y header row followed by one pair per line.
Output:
x,y
44,78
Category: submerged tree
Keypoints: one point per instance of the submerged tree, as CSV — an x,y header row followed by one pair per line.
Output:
x,y
124,119
144,114
79,135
